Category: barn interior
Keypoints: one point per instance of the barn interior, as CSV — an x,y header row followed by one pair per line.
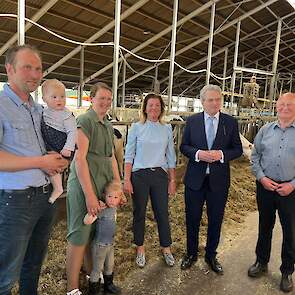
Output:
x,y
173,48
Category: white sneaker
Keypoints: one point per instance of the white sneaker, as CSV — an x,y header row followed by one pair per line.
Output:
x,y
74,292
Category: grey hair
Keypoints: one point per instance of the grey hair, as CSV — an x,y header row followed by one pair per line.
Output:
x,y
209,87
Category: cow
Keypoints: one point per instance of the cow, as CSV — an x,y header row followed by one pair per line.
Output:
x,y
119,149
247,147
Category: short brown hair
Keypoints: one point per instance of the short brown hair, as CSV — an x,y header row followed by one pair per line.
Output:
x,y
97,86
12,52
143,115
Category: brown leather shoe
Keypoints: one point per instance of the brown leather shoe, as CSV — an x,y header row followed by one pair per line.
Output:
x,y
286,283
257,270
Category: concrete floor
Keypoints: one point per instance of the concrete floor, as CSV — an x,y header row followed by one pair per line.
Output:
x,y
236,257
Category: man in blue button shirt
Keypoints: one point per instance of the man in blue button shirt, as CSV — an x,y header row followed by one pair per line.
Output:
x,y
273,164
25,215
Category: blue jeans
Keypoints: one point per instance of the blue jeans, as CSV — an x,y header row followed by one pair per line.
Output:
x,y
26,219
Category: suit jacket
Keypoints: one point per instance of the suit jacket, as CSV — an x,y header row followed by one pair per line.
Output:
x,y
227,139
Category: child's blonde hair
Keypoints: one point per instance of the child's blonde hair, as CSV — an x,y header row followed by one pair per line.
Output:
x,y
114,186
51,83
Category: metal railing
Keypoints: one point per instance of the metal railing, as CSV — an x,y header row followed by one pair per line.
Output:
x,y
247,126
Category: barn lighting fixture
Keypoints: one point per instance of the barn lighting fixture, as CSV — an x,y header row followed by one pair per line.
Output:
x,y
292,3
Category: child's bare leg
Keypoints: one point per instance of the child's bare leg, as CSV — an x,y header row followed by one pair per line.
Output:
x,y
56,181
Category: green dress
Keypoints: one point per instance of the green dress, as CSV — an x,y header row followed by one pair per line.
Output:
x,y
100,136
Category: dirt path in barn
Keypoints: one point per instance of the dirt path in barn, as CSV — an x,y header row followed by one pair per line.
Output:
x,y
236,250
235,254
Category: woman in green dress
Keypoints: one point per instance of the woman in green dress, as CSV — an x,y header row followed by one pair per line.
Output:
x,y
93,168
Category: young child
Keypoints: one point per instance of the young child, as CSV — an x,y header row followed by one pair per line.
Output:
x,y
58,127
102,246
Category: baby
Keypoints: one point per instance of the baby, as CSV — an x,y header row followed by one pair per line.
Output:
x,y
102,244
58,126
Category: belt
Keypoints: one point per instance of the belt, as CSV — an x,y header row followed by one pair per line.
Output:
x,y
44,189
153,168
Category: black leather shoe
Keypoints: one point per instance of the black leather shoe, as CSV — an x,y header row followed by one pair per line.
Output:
x,y
109,287
188,261
214,265
286,283
94,288
257,270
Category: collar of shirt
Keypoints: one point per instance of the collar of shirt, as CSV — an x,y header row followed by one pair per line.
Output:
x,y
16,99
151,122
276,124
216,116
93,115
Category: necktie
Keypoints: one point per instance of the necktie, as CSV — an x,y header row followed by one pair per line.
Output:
x,y
210,132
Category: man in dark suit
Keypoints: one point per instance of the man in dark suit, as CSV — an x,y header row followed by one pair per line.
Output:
x,y
210,140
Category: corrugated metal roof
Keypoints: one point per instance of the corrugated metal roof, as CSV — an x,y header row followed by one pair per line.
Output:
x,y
80,19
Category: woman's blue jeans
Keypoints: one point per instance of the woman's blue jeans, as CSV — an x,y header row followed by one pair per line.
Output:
x,y
26,219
